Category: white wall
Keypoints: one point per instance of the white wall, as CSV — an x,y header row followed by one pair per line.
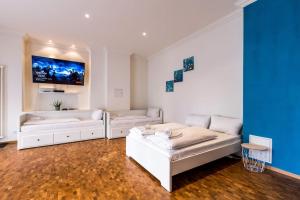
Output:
x,y
98,78
118,81
138,82
11,55
215,85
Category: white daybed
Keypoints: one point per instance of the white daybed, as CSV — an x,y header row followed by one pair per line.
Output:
x,y
164,163
42,128
118,123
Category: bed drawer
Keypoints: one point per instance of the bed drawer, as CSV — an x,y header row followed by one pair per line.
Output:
x,y
35,140
87,134
119,132
66,136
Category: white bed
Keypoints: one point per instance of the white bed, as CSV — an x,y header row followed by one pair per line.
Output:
x,y
163,163
118,123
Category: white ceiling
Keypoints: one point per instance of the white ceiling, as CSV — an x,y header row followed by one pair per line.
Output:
x,y
117,24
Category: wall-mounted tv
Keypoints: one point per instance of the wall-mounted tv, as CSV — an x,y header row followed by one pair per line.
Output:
x,y
56,71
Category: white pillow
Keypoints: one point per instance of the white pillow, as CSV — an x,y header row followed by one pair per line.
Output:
x,y
225,124
97,115
153,112
198,120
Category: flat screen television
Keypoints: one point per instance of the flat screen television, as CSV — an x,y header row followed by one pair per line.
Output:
x,y
56,71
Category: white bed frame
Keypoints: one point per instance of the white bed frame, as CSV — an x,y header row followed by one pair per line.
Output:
x,y
160,165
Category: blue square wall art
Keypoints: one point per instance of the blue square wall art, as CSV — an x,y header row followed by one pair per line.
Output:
x,y
169,86
188,64
178,75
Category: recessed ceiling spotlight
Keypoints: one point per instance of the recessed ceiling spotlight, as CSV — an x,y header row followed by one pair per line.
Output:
x,y
73,46
144,34
87,15
50,42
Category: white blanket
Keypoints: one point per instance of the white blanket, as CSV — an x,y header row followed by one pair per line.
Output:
x,y
190,136
50,121
129,117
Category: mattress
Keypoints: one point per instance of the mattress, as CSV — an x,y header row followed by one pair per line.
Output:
x,y
129,117
50,121
221,141
83,123
125,121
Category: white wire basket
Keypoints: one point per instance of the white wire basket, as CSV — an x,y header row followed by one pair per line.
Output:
x,y
250,162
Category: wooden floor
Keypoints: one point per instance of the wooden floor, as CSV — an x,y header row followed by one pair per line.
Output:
x,y
99,169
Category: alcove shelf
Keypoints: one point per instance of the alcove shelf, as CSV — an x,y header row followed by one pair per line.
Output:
x,y
65,92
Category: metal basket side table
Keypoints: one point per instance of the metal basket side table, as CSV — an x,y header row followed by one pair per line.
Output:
x,y
250,162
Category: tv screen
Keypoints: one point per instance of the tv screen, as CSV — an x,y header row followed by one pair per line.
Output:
x,y
56,71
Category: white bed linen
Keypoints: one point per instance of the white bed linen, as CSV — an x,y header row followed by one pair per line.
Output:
x,y
82,123
221,140
133,121
129,117
189,136
50,121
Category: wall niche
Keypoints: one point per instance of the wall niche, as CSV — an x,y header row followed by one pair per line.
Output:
x,y
34,99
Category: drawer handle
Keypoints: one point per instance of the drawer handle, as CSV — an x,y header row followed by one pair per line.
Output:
x,y
68,136
92,133
38,140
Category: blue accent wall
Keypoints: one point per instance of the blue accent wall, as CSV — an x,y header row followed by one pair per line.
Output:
x,y
272,78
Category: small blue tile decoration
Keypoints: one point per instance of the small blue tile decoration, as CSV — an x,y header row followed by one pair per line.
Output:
x,y
170,86
188,64
178,76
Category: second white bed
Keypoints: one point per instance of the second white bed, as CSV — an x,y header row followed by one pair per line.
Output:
x,y
164,163
222,139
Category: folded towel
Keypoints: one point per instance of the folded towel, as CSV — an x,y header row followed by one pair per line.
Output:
x,y
141,131
148,132
152,129
169,134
